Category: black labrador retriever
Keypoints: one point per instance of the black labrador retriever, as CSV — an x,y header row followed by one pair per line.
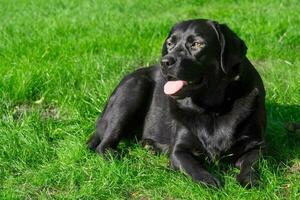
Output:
x,y
205,99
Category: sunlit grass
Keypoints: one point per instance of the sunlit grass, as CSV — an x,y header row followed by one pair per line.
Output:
x,y
60,60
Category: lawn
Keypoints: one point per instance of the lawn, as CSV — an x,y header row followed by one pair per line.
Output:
x,y
60,60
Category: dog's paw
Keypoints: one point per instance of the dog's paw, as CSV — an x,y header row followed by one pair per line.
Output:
x,y
209,180
93,142
104,149
248,180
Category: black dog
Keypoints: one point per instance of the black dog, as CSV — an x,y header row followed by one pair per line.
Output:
x,y
204,99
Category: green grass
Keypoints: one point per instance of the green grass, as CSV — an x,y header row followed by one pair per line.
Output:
x,y
60,60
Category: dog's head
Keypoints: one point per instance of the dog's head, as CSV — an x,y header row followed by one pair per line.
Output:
x,y
200,54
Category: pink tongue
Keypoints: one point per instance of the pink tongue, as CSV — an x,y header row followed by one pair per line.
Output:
x,y
171,87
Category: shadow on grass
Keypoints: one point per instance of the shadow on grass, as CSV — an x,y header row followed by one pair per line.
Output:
x,y
282,146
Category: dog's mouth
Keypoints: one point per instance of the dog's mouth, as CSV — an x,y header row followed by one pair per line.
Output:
x,y
174,87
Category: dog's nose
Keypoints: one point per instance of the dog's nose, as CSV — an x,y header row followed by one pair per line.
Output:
x,y
167,61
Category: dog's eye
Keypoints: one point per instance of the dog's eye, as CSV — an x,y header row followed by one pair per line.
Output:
x,y
170,44
197,45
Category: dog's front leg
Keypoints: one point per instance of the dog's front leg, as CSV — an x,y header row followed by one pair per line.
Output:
x,y
182,158
248,176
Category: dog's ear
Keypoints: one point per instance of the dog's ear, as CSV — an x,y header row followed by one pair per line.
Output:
x,y
233,49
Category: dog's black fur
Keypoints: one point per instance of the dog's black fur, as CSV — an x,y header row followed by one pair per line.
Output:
x,y
220,112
